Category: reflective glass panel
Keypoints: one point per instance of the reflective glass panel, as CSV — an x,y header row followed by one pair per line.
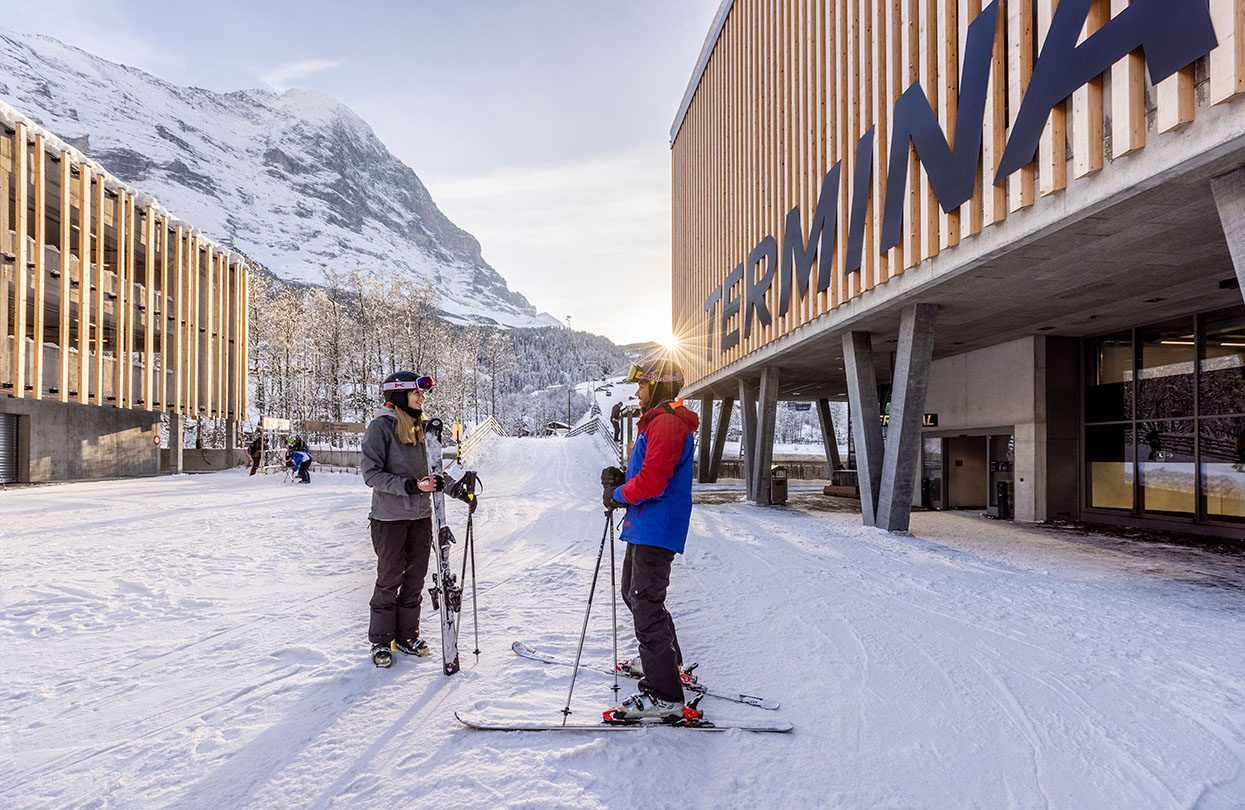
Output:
x,y
1166,467
1109,390
1223,365
1165,372
1223,468
1109,463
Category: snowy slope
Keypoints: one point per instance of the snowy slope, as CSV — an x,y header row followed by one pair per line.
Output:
x,y
297,181
199,641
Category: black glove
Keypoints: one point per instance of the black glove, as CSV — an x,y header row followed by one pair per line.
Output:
x,y
439,479
607,499
612,477
464,489
411,486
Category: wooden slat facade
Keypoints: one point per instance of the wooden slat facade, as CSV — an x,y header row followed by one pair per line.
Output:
x,y
104,299
788,88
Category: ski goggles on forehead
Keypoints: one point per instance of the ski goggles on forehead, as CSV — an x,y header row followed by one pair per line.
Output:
x,y
637,374
417,384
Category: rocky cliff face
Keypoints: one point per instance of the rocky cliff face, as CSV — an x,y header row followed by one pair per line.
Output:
x,y
297,181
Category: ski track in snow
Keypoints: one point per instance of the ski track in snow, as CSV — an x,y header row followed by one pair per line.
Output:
x,y
200,641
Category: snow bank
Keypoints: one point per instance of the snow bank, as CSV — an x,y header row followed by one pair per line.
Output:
x,y
200,641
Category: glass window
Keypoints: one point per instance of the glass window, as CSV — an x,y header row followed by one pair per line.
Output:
x,y
1223,468
1109,458
1165,373
1222,386
1165,464
1109,393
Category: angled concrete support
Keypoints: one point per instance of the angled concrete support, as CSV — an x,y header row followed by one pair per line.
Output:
x,y
1229,191
231,442
903,435
866,424
706,432
767,421
827,435
748,418
719,438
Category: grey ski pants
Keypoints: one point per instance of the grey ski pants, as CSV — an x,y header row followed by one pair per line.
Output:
x,y
402,550
645,578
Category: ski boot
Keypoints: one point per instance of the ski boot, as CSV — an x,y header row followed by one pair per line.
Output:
x,y
381,656
413,646
632,668
644,706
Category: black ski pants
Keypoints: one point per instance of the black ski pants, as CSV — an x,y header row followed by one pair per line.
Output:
x,y
304,472
402,549
645,578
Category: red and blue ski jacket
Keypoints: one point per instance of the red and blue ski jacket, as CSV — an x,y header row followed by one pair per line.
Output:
x,y
658,489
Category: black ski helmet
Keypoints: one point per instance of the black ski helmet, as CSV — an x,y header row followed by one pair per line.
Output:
x,y
395,386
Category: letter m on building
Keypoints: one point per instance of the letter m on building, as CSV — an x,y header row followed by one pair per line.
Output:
x,y
952,172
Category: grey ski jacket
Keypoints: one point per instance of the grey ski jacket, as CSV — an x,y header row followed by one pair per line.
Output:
x,y
386,465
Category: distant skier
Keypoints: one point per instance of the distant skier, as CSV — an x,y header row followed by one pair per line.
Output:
x,y
395,466
659,481
255,451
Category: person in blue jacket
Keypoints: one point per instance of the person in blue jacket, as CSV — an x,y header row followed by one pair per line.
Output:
x,y
656,491
298,457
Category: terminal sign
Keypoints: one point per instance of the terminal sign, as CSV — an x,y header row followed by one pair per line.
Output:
x,y
1171,33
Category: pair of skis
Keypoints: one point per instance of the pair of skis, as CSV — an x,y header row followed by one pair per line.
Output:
x,y
532,654
446,591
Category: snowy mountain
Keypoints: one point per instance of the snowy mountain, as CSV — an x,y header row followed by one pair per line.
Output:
x,y
297,181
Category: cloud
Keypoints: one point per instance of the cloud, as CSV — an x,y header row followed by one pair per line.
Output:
x,y
589,239
279,77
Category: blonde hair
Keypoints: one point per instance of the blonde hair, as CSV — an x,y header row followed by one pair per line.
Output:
x,y
409,431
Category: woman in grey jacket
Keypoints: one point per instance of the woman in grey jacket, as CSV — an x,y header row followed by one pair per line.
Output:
x,y
395,466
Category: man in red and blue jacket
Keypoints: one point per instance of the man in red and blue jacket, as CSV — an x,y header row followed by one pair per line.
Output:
x,y
656,491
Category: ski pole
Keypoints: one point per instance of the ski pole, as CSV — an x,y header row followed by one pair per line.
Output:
x,y
475,611
566,712
609,520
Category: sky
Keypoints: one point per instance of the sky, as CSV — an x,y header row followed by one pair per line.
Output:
x,y
540,126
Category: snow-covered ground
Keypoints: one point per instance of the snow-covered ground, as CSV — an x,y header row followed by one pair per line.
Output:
x,y
199,641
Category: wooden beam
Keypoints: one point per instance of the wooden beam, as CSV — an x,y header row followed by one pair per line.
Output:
x,y
163,230
40,264
120,318
21,227
1128,98
1087,111
100,287
179,323
84,284
66,236
1227,62
149,311
1021,185
1053,147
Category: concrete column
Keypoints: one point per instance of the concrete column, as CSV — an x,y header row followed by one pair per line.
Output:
x,y
719,438
1229,191
177,440
706,434
767,419
231,442
827,435
748,418
903,436
865,419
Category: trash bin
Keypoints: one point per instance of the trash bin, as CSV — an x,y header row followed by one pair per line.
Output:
x,y
777,484
1002,493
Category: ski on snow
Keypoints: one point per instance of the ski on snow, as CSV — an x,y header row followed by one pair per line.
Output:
x,y
447,594
532,654
483,724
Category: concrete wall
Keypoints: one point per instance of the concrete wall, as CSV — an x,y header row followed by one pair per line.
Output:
x,y
62,441
1031,385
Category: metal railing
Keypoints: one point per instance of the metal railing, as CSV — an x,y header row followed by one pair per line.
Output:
x,y
598,427
487,429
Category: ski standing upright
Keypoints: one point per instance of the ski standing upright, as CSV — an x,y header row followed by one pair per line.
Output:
x,y
446,592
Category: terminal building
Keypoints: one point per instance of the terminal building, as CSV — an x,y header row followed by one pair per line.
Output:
x,y
114,317
1010,234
